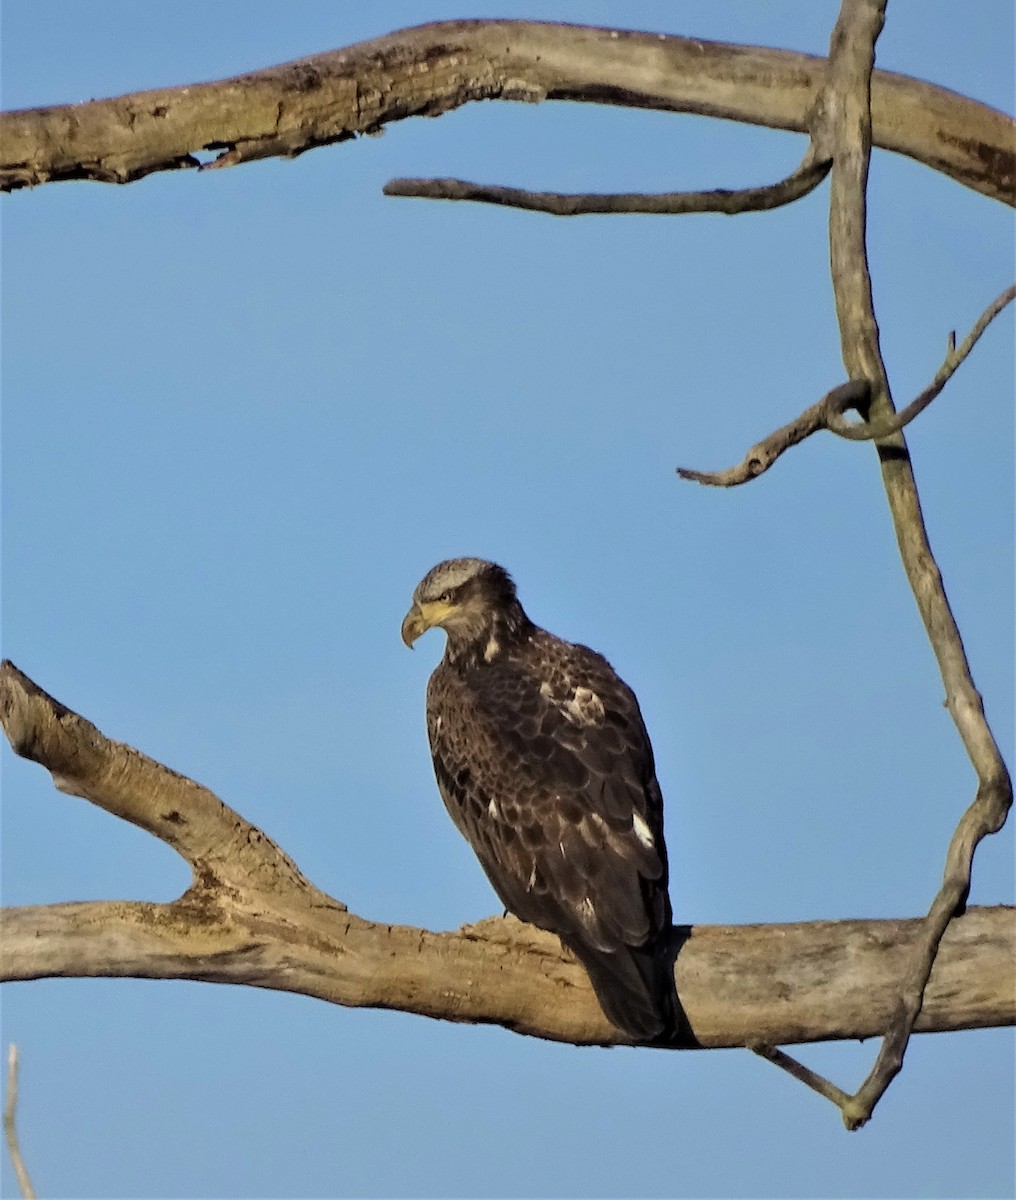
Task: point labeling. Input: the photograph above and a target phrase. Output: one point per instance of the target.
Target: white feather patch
(642, 830)
(492, 647)
(493, 809)
(584, 707)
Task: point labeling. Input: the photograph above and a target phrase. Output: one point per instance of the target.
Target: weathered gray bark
(850, 118)
(430, 69)
(779, 984)
(250, 917)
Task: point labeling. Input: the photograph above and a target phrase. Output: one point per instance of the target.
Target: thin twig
(851, 61)
(10, 1129)
(871, 430)
(762, 455)
(804, 179)
(828, 412)
(802, 1073)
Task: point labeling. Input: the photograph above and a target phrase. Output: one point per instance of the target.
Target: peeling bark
(431, 69)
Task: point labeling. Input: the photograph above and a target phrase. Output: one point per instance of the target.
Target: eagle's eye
(445, 598)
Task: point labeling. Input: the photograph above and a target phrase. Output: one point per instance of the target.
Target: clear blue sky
(243, 412)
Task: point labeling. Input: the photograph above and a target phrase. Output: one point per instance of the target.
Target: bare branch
(851, 61)
(847, 128)
(218, 843)
(802, 1074)
(869, 431)
(762, 455)
(273, 929)
(791, 983)
(804, 179)
(828, 412)
(288, 109)
(10, 1127)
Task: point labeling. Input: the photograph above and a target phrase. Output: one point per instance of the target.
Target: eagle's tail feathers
(635, 988)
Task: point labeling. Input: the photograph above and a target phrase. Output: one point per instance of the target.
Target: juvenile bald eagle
(544, 764)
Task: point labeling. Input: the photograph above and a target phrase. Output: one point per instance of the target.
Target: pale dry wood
(10, 1126)
(793, 983)
(763, 454)
(425, 71)
(274, 929)
(222, 848)
(828, 412)
(874, 430)
(851, 58)
(250, 916)
(817, 1083)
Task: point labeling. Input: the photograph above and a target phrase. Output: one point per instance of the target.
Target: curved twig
(760, 457)
(817, 1083)
(288, 109)
(802, 180)
(851, 61)
(828, 412)
(10, 1127)
(873, 430)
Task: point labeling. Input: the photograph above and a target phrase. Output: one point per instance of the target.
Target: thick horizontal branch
(798, 184)
(251, 918)
(428, 70)
(738, 984)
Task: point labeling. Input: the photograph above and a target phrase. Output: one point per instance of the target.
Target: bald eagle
(544, 764)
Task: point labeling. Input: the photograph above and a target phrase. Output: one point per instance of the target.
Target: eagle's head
(472, 600)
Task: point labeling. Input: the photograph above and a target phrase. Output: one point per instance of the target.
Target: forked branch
(761, 456)
(828, 413)
(851, 61)
(249, 917)
(876, 430)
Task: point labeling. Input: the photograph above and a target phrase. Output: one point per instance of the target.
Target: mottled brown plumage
(545, 766)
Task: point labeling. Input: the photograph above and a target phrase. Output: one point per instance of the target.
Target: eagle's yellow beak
(422, 617)
(413, 625)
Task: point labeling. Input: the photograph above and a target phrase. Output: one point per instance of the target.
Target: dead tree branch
(10, 1126)
(851, 63)
(804, 179)
(288, 109)
(828, 412)
(873, 431)
(802, 1074)
(250, 917)
(762, 455)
